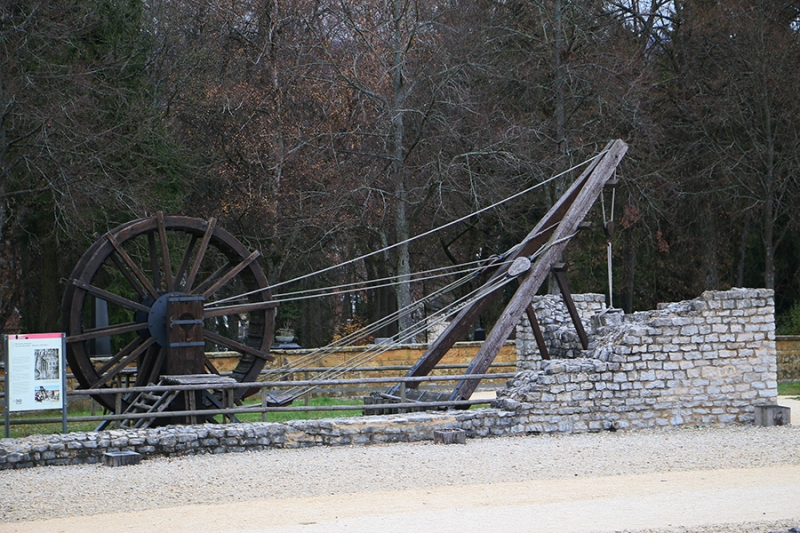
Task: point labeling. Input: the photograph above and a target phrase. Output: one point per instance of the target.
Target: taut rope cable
(377, 350)
(374, 283)
(421, 235)
(371, 328)
(370, 287)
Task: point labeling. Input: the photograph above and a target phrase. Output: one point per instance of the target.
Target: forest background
(320, 130)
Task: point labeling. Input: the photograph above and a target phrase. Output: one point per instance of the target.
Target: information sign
(35, 372)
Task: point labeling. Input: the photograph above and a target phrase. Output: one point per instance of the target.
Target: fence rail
(265, 388)
(128, 375)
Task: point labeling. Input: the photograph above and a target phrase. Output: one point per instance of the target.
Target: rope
(377, 350)
(609, 254)
(371, 284)
(371, 328)
(411, 239)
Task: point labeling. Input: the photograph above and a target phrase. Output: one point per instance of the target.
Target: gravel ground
(75, 491)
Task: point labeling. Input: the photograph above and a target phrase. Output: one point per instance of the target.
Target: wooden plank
(241, 308)
(121, 354)
(237, 346)
(534, 278)
(132, 266)
(129, 276)
(154, 268)
(212, 278)
(185, 339)
(198, 379)
(107, 331)
(105, 378)
(231, 274)
(187, 256)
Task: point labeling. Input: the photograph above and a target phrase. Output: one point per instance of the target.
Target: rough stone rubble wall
(706, 361)
(557, 329)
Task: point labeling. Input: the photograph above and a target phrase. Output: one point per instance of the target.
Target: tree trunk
(709, 245)
(402, 224)
(562, 147)
(628, 268)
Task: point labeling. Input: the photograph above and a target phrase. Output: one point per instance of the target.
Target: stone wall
(88, 448)
(788, 351)
(706, 361)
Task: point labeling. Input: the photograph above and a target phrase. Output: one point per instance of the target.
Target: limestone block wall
(706, 361)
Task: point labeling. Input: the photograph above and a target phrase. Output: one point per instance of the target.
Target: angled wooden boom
(546, 242)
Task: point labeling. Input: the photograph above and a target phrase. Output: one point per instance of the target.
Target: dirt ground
(615, 503)
(722, 500)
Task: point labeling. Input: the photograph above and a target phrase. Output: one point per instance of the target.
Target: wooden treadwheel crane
(162, 282)
(530, 263)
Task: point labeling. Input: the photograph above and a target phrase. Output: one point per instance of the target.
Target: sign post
(36, 377)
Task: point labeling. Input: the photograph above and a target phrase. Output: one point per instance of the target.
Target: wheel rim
(132, 268)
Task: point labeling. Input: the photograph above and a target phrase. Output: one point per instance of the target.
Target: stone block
(121, 458)
(773, 415)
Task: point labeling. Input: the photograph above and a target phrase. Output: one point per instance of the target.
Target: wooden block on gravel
(122, 458)
(773, 415)
(449, 436)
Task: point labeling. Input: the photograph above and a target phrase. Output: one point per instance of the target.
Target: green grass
(25, 430)
(790, 388)
(305, 415)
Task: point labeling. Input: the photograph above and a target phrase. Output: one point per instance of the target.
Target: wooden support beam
(537, 332)
(559, 271)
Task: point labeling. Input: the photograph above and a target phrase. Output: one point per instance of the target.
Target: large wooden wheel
(140, 270)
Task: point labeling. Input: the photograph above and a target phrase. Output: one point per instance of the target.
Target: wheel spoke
(144, 366)
(107, 331)
(122, 353)
(110, 297)
(212, 278)
(201, 252)
(130, 277)
(105, 378)
(132, 266)
(155, 372)
(162, 237)
(237, 309)
(236, 346)
(231, 274)
(186, 258)
(151, 246)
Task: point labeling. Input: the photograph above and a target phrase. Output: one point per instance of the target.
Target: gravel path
(301, 477)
